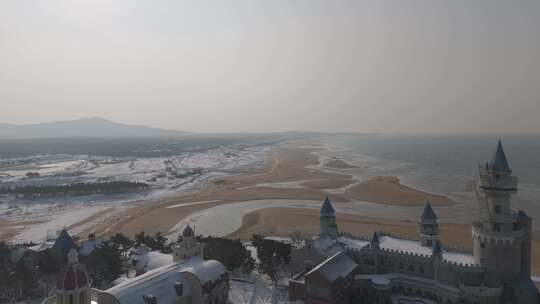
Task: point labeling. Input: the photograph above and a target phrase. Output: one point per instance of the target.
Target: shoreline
(291, 171)
(281, 221)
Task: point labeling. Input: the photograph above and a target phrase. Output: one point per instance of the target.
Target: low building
(190, 280)
(329, 282)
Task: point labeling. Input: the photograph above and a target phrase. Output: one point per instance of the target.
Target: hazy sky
(367, 66)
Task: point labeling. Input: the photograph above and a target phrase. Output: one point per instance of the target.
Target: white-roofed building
(164, 280)
(190, 281)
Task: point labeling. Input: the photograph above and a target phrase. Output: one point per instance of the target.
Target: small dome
(72, 277)
(188, 232)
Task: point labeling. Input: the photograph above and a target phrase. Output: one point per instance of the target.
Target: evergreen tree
(230, 253)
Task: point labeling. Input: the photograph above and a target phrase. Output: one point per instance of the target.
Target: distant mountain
(87, 127)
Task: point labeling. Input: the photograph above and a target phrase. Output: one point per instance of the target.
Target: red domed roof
(72, 277)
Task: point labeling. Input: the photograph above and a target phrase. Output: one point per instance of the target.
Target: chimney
(149, 299)
(179, 288)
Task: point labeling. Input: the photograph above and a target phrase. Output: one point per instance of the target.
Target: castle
(389, 269)
(187, 279)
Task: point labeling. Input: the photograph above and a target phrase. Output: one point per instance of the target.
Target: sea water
(445, 164)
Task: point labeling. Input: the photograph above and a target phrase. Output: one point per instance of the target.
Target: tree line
(75, 189)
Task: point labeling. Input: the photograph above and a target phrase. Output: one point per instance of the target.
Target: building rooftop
(160, 282)
(428, 213)
(327, 206)
(338, 265)
(499, 162)
(63, 243)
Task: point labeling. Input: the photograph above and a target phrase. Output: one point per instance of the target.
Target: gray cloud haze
(455, 66)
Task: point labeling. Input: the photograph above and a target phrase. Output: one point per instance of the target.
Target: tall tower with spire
(428, 228)
(327, 219)
(502, 237)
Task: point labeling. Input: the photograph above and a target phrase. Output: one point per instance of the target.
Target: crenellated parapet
(464, 267)
(496, 237)
(405, 253)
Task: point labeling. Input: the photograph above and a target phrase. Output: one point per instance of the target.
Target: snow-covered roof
(339, 265)
(146, 261)
(326, 245)
(160, 281)
(352, 243)
(408, 246)
(206, 272)
(90, 245)
(414, 247)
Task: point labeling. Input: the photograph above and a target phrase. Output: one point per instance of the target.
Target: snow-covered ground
(165, 175)
(158, 172)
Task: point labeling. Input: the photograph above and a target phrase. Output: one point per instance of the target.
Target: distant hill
(87, 127)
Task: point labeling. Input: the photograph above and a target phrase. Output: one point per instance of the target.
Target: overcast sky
(457, 66)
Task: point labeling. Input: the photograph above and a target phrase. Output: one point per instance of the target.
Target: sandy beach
(288, 174)
(388, 190)
(291, 172)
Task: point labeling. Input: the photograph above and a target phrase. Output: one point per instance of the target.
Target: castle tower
(502, 236)
(72, 285)
(327, 219)
(188, 247)
(428, 228)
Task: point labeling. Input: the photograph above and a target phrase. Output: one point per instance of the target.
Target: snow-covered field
(165, 175)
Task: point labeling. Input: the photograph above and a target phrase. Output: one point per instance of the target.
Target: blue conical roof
(428, 213)
(63, 243)
(499, 162)
(375, 238)
(327, 206)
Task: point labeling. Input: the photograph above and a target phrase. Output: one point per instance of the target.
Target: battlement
(495, 237)
(464, 266)
(490, 180)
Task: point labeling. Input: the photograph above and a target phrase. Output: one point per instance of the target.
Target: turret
(500, 238)
(428, 228)
(375, 240)
(73, 285)
(495, 186)
(437, 250)
(327, 219)
(188, 247)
